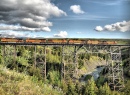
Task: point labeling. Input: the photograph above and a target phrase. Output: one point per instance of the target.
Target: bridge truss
(114, 61)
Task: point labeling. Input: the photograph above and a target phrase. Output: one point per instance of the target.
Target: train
(56, 41)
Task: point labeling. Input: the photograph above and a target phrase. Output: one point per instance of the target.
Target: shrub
(87, 77)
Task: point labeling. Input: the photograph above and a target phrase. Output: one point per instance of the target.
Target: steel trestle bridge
(114, 63)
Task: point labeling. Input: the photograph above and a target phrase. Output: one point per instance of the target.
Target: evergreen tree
(104, 90)
(71, 88)
(91, 88)
(64, 86)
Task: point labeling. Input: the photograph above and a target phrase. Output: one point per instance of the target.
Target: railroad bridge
(115, 73)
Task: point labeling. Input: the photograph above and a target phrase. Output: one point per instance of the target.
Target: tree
(64, 86)
(91, 88)
(80, 63)
(54, 77)
(126, 90)
(71, 88)
(104, 90)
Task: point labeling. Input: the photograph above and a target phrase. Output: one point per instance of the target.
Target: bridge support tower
(115, 75)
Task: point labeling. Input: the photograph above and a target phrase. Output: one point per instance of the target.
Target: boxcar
(61, 41)
(73, 41)
(92, 42)
(32, 41)
(111, 42)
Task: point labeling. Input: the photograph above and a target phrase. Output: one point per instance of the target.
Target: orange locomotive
(11, 40)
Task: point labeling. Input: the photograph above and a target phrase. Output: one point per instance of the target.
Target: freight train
(55, 41)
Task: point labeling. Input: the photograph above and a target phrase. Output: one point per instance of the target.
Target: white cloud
(23, 28)
(61, 34)
(119, 26)
(31, 14)
(13, 34)
(76, 9)
(46, 29)
(99, 28)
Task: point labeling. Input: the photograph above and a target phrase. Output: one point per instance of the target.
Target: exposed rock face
(91, 64)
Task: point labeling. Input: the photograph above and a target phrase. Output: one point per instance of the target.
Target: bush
(33, 71)
(126, 90)
(53, 77)
(87, 77)
(100, 81)
(81, 64)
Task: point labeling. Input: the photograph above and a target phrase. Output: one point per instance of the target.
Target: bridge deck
(1, 43)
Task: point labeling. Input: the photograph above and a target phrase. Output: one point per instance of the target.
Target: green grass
(13, 83)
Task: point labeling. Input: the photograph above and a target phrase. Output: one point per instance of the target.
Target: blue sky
(67, 19)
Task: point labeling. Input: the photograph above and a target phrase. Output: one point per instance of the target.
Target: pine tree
(91, 88)
(104, 90)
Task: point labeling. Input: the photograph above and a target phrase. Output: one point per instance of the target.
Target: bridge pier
(3, 54)
(62, 63)
(75, 63)
(35, 50)
(44, 64)
(15, 56)
(129, 56)
(66, 54)
(72, 69)
(115, 77)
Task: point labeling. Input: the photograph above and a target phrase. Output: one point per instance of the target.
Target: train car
(111, 42)
(75, 41)
(71, 41)
(103, 42)
(43, 40)
(31, 40)
(38, 40)
(11, 40)
(61, 41)
(92, 42)
(107, 42)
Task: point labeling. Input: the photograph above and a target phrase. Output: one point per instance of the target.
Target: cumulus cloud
(99, 28)
(13, 34)
(32, 15)
(62, 34)
(22, 28)
(119, 26)
(76, 9)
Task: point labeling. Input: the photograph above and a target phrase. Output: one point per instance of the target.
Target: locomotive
(55, 41)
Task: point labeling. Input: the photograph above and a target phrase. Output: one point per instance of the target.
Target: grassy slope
(13, 83)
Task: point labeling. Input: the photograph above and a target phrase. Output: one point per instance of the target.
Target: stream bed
(95, 73)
